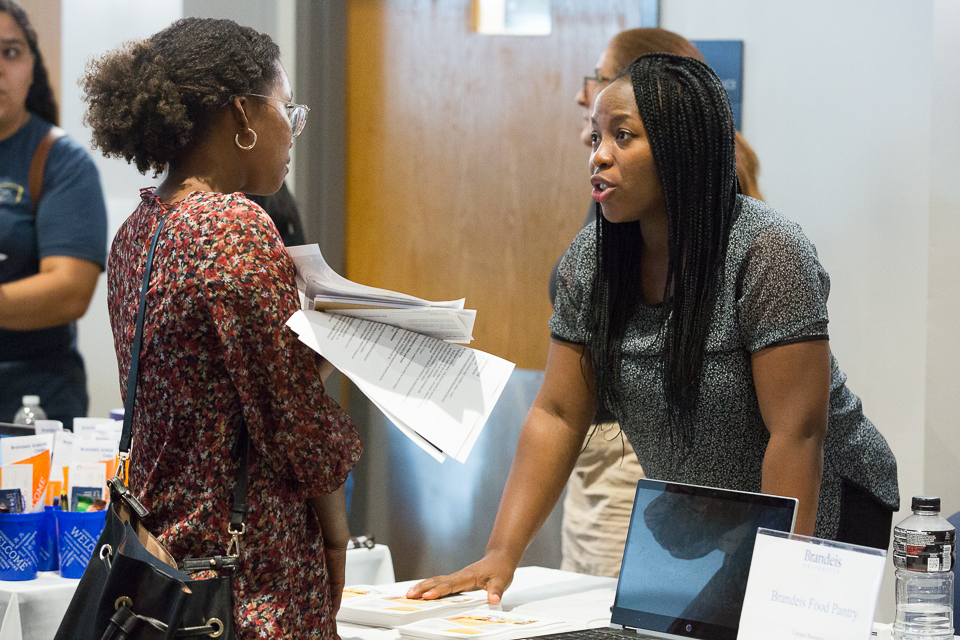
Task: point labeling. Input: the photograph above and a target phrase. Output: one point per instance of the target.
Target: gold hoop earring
(236, 139)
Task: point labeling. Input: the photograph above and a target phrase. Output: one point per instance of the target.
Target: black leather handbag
(132, 587)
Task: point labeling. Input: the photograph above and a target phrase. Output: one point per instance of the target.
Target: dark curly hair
(149, 100)
(40, 96)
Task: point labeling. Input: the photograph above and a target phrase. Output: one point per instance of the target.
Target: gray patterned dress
(774, 291)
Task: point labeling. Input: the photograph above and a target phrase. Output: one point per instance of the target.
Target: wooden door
(465, 173)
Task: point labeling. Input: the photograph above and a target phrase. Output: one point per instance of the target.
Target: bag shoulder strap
(134, 372)
(39, 163)
(241, 446)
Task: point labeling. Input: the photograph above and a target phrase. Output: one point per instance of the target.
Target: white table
(582, 600)
(32, 609)
(369, 566)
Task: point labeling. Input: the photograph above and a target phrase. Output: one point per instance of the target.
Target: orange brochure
(17, 455)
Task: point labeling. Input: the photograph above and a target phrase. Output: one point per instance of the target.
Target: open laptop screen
(687, 557)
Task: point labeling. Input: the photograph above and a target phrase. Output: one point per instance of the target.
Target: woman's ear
(239, 112)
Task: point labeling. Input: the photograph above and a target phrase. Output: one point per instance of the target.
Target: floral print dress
(215, 354)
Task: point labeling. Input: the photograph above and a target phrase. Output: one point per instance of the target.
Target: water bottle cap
(31, 400)
(925, 503)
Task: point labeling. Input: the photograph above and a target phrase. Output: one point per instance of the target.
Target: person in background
(599, 494)
(699, 317)
(53, 234)
(217, 356)
(282, 209)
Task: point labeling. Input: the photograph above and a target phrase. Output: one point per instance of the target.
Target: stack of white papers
(437, 393)
(482, 623)
(377, 607)
(402, 353)
(326, 290)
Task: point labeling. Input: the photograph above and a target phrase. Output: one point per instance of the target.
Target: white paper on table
(395, 602)
(87, 427)
(96, 450)
(483, 624)
(802, 587)
(89, 474)
(578, 607)
(62, 455)
(47, 426)
(444, 392)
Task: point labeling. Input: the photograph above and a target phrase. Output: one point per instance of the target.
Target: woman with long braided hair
(698, 315)
(598, 499)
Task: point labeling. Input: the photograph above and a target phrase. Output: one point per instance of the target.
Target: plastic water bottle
(30, 412)
(924, 552)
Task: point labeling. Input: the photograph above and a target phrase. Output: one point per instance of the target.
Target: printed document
(438, 393)
(326, 290)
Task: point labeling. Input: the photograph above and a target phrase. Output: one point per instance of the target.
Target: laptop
(686, 561)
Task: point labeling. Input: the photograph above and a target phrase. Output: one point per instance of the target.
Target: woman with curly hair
(699, 317)
(208, 103)
(53, 234)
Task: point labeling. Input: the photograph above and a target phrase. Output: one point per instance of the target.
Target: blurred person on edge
(53, 243)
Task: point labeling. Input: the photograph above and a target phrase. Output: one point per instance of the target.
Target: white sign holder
(803, 587)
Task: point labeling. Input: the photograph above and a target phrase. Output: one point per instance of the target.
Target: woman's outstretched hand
(494, 573)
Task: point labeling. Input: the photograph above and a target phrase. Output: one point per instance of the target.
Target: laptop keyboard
(602, 633)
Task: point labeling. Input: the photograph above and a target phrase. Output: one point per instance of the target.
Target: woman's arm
(58, 294)
(793, 389)
(331, 510)
(549, 444)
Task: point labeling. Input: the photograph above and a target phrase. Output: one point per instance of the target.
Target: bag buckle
(233, 548)
(120, 492)
(214, 563)
(123, 457)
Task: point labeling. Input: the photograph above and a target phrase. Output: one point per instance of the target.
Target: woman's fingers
(490, 573)
(495, 587)
(440, 586)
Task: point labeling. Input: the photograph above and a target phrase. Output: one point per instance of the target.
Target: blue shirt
(71, 221)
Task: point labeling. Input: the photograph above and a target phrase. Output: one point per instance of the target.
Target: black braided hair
(686, 113)
(40, 95)
(148, 101)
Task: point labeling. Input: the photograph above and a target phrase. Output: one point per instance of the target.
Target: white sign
(802, 587)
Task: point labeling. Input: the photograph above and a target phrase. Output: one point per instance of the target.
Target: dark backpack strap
(39, 163)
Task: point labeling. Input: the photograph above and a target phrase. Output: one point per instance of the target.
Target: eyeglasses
(296, 113)
(598, 79)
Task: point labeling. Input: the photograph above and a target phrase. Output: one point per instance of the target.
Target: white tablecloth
(369, 566)
(32, 609)
(584, 601)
